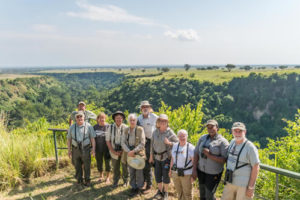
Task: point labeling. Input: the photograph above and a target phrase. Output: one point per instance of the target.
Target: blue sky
(140, 32)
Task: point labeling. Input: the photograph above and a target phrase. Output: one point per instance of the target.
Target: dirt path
(61, 185)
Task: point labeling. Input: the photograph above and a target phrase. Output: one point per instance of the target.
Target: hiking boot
(158, 194)
(166, 194)
(115, 185)
(79, 181)
(133, 192)
(125, 184)
(87, 183)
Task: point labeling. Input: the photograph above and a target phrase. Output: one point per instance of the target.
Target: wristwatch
(250, 188)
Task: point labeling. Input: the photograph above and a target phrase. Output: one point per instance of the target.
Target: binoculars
(118, 147)
(228, 176)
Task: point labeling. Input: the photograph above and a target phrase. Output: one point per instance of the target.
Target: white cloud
(44, 28)
(183, 35)
(108, 13)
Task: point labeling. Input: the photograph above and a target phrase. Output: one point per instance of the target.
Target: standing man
(88, 114)
(148, 121)
(80, 137)
(113, 139)
(242, 166)
(209, 158)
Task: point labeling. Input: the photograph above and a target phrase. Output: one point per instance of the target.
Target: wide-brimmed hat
(136, 162)
(238, 125)
(81, 102)
(163, 117)
(79, 113)
(145, 103)
(212, 122)
(118, 113)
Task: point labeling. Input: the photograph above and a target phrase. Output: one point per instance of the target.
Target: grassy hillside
(216, 76)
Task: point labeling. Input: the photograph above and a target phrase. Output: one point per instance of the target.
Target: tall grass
(22, 152)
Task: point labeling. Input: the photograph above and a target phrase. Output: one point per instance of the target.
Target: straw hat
(136, 162)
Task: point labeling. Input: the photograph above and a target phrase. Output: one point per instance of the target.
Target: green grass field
(14, 76)
(215, 76)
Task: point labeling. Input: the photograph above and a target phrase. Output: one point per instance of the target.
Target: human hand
(70, 153)
(249, 193)
(166, 141)
(205, 151)
(131, 154)
(93, 153)
(151, 159)
(194, 174)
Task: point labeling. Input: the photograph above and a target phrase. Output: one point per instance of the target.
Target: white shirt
(181, 157)
(149, 124)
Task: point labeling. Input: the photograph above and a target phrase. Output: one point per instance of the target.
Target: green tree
(230, 67)
(187, 67)
(283, 67)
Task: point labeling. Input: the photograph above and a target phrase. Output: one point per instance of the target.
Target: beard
(239, 138)
(146, 112)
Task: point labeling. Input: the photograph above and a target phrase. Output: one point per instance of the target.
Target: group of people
(148, 142)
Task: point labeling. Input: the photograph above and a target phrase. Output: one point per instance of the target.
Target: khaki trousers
(234, 192)
(183, 186)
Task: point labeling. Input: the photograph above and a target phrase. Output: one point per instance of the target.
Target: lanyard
(83, 133)
(187, 151)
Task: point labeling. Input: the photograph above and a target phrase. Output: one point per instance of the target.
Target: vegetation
(230, 67)
(259, 101)
(23, 150)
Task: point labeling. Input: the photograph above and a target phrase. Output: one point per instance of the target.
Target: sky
(144, 32)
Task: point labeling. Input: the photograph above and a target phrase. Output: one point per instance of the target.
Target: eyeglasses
(210, 127)
(79, 116)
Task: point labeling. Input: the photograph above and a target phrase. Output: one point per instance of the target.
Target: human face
(101, 120)
(81, 107)
(145, 110)
(132, 122)
(118, 120)
(182, 138)
(239, 135)
(212, 129)
(79, 119)
(163, 125)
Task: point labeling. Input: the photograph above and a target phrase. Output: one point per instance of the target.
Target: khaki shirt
(217, 146)
(114, 136)
(81, 134)
(158, 145)
(135, 137)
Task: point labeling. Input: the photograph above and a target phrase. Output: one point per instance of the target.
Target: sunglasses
(79, 116)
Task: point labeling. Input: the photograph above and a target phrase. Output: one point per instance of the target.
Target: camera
(167, 165)
(228, 176)
(174, 167)
(131, 147)
(118, 147)
(202, 154)
(79, 145)
(180, 171)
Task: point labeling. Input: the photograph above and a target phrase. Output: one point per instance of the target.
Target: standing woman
(133, 143)
(161, 145)
(182, 166)
(102, 152)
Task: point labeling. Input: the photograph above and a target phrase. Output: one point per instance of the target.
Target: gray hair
(132, 115)
(183, 132)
